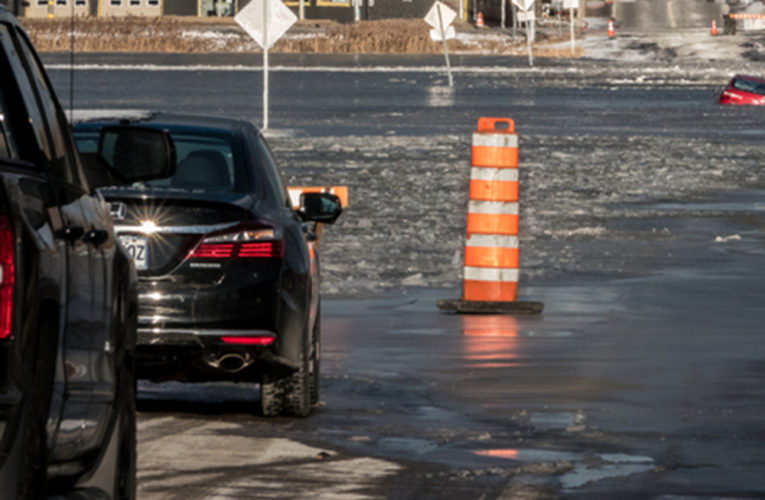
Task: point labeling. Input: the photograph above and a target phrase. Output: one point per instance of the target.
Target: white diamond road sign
(450, 34)
(526, 16)
(523, 4)
(251, 19)
(447, 16)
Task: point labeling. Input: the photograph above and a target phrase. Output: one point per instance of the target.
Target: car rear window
(749, 86)
(206, 163)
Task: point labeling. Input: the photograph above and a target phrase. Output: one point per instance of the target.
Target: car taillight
(213, 251)
(731, 95)
(242, 244)
(6, 276)
(262, 340)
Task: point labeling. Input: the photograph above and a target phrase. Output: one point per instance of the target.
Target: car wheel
(288, 395)
(315, 359)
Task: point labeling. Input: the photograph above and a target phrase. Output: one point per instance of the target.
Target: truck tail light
(7, 267)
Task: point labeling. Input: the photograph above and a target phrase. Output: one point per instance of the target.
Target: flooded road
(648, 385)
(641, 231)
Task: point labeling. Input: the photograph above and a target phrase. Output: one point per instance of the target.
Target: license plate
(138, 249)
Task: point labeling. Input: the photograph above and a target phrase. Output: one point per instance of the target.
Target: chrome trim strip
(175, 229)
(206, 333)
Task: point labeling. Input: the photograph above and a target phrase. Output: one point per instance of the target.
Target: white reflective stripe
(490, 274)
(493, 207)
(492, 241)
(493, 174)
(496, 140)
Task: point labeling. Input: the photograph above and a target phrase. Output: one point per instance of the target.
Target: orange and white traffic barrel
(713, 29)
(490, 272)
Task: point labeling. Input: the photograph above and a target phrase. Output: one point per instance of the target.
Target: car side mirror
(320, 207)
(131, 154)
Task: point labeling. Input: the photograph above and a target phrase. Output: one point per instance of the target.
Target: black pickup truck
(67, 295)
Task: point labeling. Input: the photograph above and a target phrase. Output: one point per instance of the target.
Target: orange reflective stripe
(490, 156)
(494, 190)
(489, 291)
(492, 223)
(491, 257)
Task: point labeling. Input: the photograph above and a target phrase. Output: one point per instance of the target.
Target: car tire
(315, 359)
(288, 395)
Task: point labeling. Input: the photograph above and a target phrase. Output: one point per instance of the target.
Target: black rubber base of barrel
(478, 307)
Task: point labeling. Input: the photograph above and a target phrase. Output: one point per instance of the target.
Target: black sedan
(228, 275)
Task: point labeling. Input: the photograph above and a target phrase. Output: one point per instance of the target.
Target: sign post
(440, 17)
(265, 21)
(571, 5)
(527, 14)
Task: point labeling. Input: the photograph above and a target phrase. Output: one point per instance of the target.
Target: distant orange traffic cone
(611, 32)
(479, 20)
(713, 29)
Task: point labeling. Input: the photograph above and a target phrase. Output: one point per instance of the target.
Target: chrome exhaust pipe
(231, 362)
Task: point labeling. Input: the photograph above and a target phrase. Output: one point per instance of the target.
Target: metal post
(503, 14)
(265, 64)
(571, 18)
(533, 25)
(301, 10)
(528, 41)
(515, 22)
(462, 9)
(446, 51)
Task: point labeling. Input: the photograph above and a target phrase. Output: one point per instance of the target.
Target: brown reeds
(170, 34)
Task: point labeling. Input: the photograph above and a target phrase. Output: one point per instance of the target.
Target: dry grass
(206, 35)
(112, 34)
(391, 36)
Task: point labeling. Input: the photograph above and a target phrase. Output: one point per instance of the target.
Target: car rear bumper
(192, 337)
(207, 355)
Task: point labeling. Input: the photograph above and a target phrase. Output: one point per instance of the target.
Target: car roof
(749, 77)
(178, 122)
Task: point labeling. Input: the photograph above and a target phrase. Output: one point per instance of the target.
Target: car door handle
(96, 236)
(70, 233)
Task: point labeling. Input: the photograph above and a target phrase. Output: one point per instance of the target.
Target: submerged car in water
(228, 274)
(744, 90)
